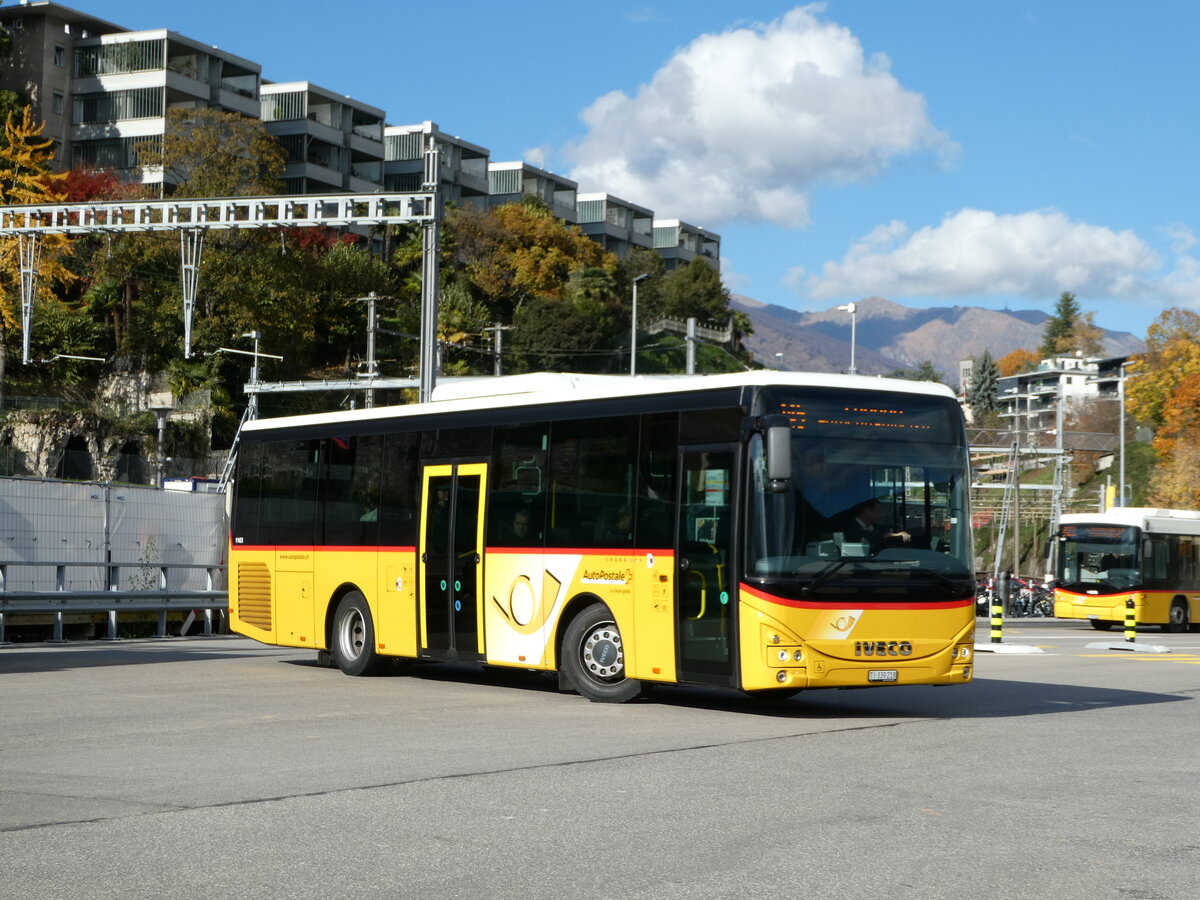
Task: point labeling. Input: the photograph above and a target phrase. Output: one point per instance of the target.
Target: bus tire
(1177, 618)
(593, 657)
(1102, 624)
(353, 644)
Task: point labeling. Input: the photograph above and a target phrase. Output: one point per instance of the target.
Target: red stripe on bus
(323, 548)
(861, 604)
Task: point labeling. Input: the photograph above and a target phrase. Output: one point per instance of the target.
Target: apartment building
(510, 182)
(123, 85)
(1029, 400)
(40, 64)
(102, 90)
(334, 144)
(615, 224)
(464, 166)
(679, 243)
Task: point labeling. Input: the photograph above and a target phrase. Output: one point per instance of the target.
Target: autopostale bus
(620, 532)
(1149, 556)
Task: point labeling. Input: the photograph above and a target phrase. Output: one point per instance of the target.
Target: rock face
(119, 442)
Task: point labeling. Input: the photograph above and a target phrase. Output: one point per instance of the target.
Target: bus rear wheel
(1177, 618)
(353, 642)
(593, 657)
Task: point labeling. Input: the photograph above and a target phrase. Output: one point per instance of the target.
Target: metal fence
(72, 547)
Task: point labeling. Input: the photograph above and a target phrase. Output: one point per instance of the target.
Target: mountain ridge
(889, 335)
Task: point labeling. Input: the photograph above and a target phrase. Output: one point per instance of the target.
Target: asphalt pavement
(222, 768)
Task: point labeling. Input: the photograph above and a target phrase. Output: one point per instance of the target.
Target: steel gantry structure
(194, 218)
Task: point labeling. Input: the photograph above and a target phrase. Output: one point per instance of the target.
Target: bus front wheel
(1102, 624)
(593, 657)
(354, 637)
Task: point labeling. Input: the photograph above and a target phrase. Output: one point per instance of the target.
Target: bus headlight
(964, 652)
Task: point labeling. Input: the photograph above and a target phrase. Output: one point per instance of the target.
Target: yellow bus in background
(1150, 556)
(620, 532)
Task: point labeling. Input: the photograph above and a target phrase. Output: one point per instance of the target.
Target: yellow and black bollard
(1000, 590)
(1130, 621)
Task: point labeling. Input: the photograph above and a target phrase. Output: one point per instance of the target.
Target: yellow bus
(1150, 556)
(620, 532)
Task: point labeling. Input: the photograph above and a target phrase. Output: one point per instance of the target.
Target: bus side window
(517, 482)
(246, 515)
(398, 495)
(592, 475)
(350, 475)
(289, 492)
(656, 480)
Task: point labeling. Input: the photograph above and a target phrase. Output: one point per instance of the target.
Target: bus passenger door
(705, 592)
(451, 555)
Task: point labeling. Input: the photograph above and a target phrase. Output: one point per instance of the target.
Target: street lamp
(633, 326)
(852, 309)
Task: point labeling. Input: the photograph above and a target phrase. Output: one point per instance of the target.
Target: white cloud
(975, 253)
(740, 125)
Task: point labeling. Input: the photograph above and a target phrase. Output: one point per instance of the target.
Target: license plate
(882, 675)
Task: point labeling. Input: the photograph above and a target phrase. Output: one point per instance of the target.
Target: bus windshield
(1102, 558)
(885, 518)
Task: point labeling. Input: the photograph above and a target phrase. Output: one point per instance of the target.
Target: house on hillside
(1029, 400)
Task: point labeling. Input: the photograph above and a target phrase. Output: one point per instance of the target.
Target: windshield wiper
(821, 577)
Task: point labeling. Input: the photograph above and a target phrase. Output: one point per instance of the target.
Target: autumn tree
(519, 251)
(1172, 354)
(25, 177)
(1017, 362)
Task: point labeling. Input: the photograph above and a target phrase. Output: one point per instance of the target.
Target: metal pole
(852, 308)
(430, 273)
(691, 345)
(853, 337)
(252, 406)
(162, 446)
(372, 324)
(633, 333)
(29, 254)
(633, 326)
(1016, 566)
(1121, 438)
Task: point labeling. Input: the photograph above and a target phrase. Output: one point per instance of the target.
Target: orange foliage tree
(1016, 362)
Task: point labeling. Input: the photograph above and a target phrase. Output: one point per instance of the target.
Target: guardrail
(114, 599)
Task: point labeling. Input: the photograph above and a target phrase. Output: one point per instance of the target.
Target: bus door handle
(684, 563)
(424, 557)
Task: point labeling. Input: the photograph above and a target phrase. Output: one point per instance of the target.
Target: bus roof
(499, 392)
(1152, 519)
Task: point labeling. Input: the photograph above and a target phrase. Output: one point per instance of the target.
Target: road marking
(1175, 657)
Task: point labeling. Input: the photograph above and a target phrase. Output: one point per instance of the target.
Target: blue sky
(934, 152)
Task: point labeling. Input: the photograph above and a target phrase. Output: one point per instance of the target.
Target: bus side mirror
(779, 458)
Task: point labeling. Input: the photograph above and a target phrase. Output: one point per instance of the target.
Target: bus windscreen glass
(1098, 557)
(876, 504)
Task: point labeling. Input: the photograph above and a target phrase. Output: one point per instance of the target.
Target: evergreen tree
(923, 372)
(983, 396)
(1059, 335)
